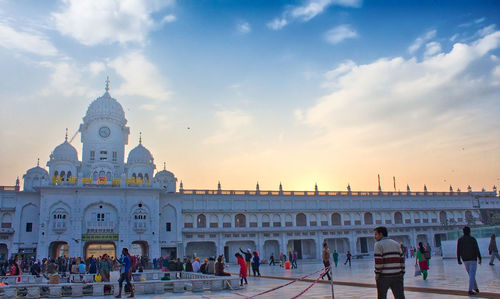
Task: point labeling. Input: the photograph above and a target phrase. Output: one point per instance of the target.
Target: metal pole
(331, 281)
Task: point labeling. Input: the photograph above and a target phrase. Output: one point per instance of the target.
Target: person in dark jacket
(468, 252)
(256, 264)
(219, 267)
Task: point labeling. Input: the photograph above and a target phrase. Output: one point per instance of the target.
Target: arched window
(102, 173)
(94, 176)
(442, 217)
(63, 174)
(240, 220)
(146, 177)
(140, 176)
(300, 220)
(134, 175)
(201, 221)
(108, 175)
(398, 218)
(69, 174)
(368, 218)
(56, 173)
(336, 220)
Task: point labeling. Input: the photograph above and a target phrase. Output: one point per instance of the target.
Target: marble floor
(443, 274)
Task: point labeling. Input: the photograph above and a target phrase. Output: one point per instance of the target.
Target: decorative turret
(140, 164)
(166, 180)
(63, 164)
(35, 177)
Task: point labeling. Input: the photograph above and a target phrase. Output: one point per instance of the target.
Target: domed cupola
(165, 180)
(63, 164)
(105, 107)
(35, 177)
(64, 152)
(140, 164)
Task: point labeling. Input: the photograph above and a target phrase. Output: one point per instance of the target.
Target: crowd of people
(390, 257)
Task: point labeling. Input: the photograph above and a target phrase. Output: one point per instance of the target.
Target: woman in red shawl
(243, 268)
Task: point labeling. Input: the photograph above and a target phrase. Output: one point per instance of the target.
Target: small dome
(64, 152)
(36, 171)
(164, 174)
(140, 154)
(105, 107)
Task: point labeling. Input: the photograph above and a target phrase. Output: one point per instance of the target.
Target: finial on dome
(164, 165)
(38, 162)
(107, 84)
(140, 137)
(66, 137)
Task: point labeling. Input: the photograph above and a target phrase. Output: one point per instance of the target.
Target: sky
(326, 92)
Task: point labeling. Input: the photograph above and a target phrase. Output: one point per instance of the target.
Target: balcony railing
(140, 227)
(327, 193)
(8, 230)
(59, 226)
(100, 226)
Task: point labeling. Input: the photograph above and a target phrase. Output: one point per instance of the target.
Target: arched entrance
(58, 248)
(140, 248)
(97, 249)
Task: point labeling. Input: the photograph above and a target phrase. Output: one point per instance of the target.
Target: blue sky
(326, 91)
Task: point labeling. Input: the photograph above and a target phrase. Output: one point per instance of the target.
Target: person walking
(248, 258)
(105, 268)
(325, 255)
(125, 273)
(348, 258)
(295, 257)
(256, 263)
(389, 265)
(335, 256)
(423, 262)
(271, 260)
(243, 268)
(468, 252)
(493, 250)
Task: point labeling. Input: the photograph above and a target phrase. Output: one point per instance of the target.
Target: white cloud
(31, 42)
(231, 123)
(340, 33)
(243, 28)
(421, 40)
(307, 11)
(168, 19)
(92, 22)
(140, 76)
(277, 23)
(392, 100)
(96, 68)
(432, 48)
(66, 79)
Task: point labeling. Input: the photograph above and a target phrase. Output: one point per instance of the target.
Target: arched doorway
(140, 248)
(58, 248)
(97, 249)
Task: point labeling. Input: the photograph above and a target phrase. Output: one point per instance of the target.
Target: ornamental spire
(107, 84)
(66, 137)
(164, 165)
(38, 162)
(140, 137)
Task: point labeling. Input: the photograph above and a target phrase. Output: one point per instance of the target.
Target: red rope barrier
(312, 284)
(286, 284)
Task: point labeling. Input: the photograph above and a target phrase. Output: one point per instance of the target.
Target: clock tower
(104, 135)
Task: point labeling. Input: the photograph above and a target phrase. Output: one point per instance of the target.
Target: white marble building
(104, 203)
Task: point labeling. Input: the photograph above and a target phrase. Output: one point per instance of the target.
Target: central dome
(105, 107)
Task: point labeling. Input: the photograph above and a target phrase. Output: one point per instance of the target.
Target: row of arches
(140, 176)
(64, 175)
(301, 219)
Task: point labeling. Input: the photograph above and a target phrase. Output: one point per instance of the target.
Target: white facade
(104, 200)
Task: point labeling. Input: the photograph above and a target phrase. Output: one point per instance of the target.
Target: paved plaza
(444, 274)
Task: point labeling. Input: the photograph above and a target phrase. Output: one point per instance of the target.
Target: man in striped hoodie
(389, 265)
